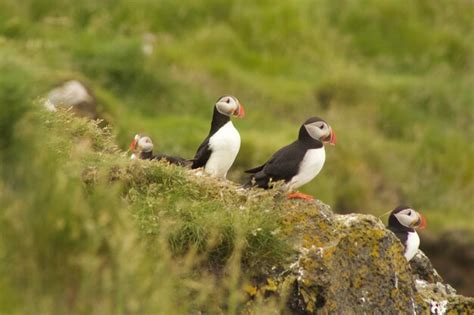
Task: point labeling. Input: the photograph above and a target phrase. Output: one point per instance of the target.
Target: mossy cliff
(85, 230)
(333, 263)
(351, 264)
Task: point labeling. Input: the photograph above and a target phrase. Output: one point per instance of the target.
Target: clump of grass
(90, 231)
(205, 214)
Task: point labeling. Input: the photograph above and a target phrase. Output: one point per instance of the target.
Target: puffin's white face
(321, 131)
(145, 144)
(410, 218)
(141, 144)
(229, 105)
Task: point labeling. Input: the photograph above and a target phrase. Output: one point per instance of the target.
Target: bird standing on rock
(142, 147)
(403, 222)
(218, 151)
(297, 163)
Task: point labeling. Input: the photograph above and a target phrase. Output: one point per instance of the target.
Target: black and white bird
(297, 163)
(142, 148)
(218, 151)
(403, 222)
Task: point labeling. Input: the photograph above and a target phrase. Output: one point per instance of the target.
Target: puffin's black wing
(283, 165)
(202, 155)
(173, 159)
(256, 169)
(402, 235)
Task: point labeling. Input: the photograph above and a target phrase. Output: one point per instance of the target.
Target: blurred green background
(394, 79)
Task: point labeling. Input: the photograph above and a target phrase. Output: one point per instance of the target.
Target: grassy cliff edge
(147, 237)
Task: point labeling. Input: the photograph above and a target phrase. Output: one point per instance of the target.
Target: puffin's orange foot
(298, 195)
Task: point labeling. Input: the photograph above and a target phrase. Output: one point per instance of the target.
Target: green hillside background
(393, 78)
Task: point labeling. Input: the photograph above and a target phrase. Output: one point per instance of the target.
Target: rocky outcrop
(74, 95)
(345, 264)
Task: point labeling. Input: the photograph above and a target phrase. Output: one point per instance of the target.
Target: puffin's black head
(316, 128)
(405, 218)
(229, 105)
(141, 144)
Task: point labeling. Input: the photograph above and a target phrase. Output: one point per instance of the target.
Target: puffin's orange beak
(332, 138)
(240, 112)
(422, 223)
(133, 145)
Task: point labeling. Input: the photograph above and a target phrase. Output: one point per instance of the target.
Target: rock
(75, 95)
(422, 268)
(346, 264)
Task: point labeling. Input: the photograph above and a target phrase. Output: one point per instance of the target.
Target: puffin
(218, 151)
(403, 222)
(297, 163)
(142, 148)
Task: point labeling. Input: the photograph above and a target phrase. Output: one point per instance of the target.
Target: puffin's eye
(321, 127)
(409, 213)
(228, 101)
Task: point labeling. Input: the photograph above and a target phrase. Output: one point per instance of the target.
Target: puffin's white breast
(310, 166)
(225, 145)
(412, 244)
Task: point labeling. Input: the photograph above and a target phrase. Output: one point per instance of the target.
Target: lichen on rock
(351, 263)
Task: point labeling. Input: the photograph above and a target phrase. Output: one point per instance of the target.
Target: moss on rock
(352, 264)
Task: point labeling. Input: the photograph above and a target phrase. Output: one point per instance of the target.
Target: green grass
(387, 76)
(393, 79)
(87, 231)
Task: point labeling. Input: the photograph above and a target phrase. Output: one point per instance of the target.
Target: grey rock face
(75, 95)
(351, 264)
